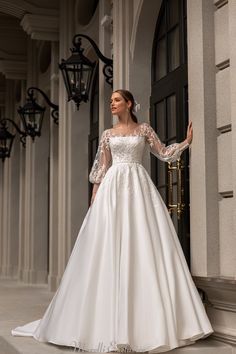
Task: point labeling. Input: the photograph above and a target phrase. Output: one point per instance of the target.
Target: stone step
(204, 346)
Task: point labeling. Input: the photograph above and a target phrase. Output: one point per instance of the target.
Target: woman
(127, 284)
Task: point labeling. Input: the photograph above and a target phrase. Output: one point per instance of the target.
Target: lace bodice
(115, 148)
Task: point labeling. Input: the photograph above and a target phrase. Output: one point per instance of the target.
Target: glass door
(169, 112)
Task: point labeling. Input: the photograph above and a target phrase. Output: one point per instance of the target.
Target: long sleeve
(165, 153)
(102, 160)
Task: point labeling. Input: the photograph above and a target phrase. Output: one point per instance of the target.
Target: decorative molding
(223, 65)
(225, 128)
(8, 56)
(135, 28)
(11, 9)
(106, 21)
(55, 78)
(221, 291)
(220, 3)
(219, 334)
(14, 9)
(227, 282)
(227, 194)
(41, 27)
(13, 69)
(221, 306)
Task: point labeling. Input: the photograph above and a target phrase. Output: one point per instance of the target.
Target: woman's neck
(126, 120)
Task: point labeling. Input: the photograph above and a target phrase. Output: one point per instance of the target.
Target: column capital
(13, 69)
(41, 27)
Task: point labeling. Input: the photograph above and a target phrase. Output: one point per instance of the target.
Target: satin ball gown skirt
(127, 283)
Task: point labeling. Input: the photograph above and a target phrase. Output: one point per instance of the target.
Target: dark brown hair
(127, 95)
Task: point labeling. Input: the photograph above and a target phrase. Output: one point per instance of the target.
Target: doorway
(169, 112)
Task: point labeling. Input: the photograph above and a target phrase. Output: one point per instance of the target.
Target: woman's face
(118, 104)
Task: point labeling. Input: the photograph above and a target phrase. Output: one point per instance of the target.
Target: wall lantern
(77, 70)
(32, 113)
(7, 138)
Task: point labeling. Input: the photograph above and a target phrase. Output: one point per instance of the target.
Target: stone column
(53, 188)
(211, 50)
(46, 28)
(204, 209)
(122, 24)
(1, 217)
(10, 194)
(64, 152)
(232, 53)
(105, 45)
(36, 191)
(14, 194)
(22, 191)
(2, 109)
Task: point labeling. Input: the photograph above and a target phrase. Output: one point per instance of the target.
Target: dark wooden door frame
(174, 83)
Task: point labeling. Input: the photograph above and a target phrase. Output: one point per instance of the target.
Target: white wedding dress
(127, 284)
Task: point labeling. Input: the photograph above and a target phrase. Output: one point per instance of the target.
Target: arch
(85, 11)
(141, 51)
(12, 9)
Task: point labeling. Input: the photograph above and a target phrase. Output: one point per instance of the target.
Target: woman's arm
(168, 153)
(101, 163)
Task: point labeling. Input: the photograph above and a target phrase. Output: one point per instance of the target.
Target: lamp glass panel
(3, 145)
(38, 120)
(33, 120)
(30, 120)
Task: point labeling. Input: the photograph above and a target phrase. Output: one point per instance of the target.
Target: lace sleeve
(168, 153)
(102, 160)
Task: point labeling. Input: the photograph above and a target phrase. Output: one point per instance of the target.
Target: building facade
(179, 60)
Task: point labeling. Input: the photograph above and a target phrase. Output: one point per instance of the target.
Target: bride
(126, 285)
